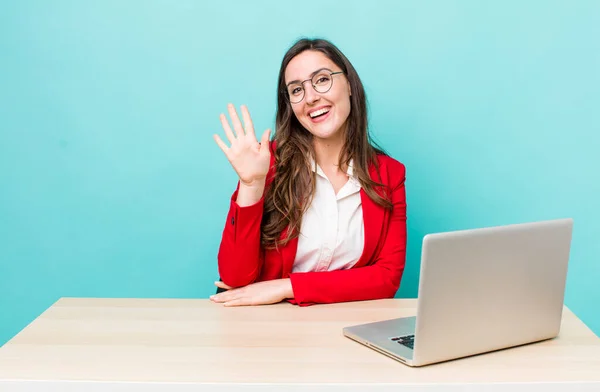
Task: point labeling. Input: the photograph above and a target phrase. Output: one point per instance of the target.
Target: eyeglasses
(321, 82)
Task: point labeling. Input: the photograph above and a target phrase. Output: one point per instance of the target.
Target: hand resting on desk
(260, 293)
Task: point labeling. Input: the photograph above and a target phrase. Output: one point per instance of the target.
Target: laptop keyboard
(408, 341)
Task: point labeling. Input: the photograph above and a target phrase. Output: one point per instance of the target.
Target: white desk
(192, 345)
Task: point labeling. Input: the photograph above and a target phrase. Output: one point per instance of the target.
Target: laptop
(480, 290)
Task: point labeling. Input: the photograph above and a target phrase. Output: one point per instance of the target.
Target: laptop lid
(486, 289)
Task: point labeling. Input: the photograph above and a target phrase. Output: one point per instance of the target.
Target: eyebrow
(311, 75)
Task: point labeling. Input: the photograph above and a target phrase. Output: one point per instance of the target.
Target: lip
(321, 118)
(317, 108)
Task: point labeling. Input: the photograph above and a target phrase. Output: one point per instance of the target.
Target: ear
(349, 89)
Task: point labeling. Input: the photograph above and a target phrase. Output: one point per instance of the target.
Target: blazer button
(232, 220)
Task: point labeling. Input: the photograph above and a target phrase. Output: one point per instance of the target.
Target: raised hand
(249, 158)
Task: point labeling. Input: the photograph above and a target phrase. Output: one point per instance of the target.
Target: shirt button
(232, 220)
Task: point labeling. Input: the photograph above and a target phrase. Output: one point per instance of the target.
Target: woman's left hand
(260, 293)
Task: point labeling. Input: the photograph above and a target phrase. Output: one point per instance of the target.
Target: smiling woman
(319, 214)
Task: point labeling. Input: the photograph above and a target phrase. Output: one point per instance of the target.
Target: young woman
(319, 214)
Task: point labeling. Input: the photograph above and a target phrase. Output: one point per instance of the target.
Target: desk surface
(197, 341)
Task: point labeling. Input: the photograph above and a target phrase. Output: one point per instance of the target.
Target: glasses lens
(322, 82)
(295, 92)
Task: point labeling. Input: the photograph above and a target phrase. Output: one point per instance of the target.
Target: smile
(319, 112)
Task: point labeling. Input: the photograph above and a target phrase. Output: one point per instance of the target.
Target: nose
(310, 95)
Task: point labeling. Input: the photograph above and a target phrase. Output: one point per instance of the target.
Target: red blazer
(376, 275)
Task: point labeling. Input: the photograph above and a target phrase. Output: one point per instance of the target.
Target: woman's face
(323, 113)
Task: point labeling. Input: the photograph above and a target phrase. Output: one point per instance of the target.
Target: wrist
(254, 184)
(288, 290)
(250, 194)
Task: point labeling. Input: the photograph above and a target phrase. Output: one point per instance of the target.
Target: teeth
(319, 112)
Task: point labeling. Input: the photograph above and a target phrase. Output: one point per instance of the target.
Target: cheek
(344, 105)
(342, 98)
(297, 109)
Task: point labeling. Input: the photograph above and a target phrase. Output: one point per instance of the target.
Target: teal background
(111, 184)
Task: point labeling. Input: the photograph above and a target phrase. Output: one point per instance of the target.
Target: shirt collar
(350, 171)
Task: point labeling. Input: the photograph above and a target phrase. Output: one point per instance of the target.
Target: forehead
(301, 66)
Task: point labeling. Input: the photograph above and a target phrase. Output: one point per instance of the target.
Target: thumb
(222, 285)
(264, 141)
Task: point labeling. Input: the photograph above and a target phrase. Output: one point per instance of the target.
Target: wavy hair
(293, 186)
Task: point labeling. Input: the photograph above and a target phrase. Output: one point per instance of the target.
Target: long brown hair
(293, 186)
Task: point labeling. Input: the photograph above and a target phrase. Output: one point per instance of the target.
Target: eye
(295, 90)
(322, 79)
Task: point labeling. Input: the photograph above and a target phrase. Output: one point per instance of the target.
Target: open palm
(249, 158)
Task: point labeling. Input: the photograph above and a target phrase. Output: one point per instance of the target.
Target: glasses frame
(313, 86)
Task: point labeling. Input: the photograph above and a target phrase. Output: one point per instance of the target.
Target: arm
(380, 279)
(240, 255)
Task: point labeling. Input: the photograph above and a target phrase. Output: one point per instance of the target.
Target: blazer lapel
(288, 255)
(373, 215)
(373, 218)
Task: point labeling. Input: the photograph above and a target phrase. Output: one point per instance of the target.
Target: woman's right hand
(249, 158)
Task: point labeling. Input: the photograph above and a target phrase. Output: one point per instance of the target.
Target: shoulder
(390, 163)
(391, 170)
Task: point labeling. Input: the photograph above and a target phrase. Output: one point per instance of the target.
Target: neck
(328, 152)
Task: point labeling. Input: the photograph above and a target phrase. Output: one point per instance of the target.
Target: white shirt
(332, 229)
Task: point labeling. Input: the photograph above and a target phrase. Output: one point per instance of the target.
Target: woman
(319, 214)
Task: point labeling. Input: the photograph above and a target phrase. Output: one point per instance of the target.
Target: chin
(325, 135)
(323, 131)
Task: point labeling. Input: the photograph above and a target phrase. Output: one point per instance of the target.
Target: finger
(237, 302)
(217, 298)
(223, 285)
(225, 296)
(221, 144)
(227, 128)
(235, 120)
(248, 126)
(264, 141)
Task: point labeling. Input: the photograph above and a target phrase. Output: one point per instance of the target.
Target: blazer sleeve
(241, 255)
(380, 279)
